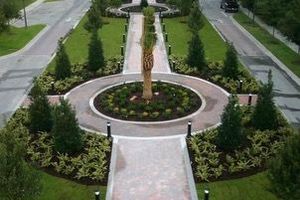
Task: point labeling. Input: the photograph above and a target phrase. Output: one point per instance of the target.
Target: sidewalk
(151, 169)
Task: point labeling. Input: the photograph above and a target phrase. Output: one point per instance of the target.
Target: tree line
(281, 14)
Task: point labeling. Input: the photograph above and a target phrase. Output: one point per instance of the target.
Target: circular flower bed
(139, 9)
(169, 101)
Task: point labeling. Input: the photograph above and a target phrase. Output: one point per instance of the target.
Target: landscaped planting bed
(213, 73)
(210, 163)
(88, 166)
(169, 101)
(79, 74)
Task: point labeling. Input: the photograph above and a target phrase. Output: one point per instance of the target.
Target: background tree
(196, 54)
(265, 113)
(195, 19)
(66, 132)
(39, 110)
(63, 65)
(94, 21)
(115, 3)
(101, 5)
(144, 4)
(230, 135)
(284, 170)
(8, 11)
(231, 66)
(18, 180)
(95, 58)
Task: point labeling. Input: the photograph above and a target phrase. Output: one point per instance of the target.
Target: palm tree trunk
(147, 68)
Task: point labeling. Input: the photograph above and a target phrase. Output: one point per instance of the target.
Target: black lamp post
(189, 131)
(97, 195)
(206, 194)
(108, 125)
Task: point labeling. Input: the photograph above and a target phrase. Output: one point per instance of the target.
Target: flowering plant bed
(169, 101)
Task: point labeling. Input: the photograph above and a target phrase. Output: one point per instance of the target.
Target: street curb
(282, 66)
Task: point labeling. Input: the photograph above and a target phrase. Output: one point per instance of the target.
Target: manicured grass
(279, 49)
(26, 2)
(77, 44)
(16, 38)
(253, 187)
(62, 189)
(179, 36)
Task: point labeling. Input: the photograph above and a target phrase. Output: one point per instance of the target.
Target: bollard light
(108, 125)
(52, 86)
(249, 99)
(164, 27)
(119, 66)
(122, 50)
(240, 86)
(206, 194)
(173, 65)
(167, 37)
(189, 131)
(126, 27)
(97, 195)
(170, 50)
(124, 38)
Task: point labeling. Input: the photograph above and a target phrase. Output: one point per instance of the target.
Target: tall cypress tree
(94, 21)
(231, 66)
(39, 110)
(230, 135)
(195, 20)
(63, 65)
(196, 54)
(95, 58)
(66, 132)
(265, 113)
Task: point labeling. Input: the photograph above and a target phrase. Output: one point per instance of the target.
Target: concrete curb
(282, 66)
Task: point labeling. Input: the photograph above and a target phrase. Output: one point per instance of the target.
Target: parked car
(229, 5)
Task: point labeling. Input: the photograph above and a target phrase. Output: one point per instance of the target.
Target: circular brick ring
(208, 116)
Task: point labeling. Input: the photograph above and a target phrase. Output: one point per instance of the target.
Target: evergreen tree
(115, 3)
(196, 54)
(39, 110)
(96, 58)
(284, 170)
(101, 5)
(230, 135)
(265, 113)
(94, 21)
(66, 132)
(185, 6)
(231, 66)
(195, 20)
(63, 65)
(144, 4)
(18, 180)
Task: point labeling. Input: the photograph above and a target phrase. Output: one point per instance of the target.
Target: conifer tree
(18, 180)
(196, 54)
(66, 132)
(94, 21)
(195, 20)
(95, 58)
(265, 113)
(63, 65)
(284, 170)
(39, 110)
(231, 66)
(144, 4)
(230, 135)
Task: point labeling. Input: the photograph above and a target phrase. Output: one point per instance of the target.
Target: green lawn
(279, 49)
(26, 2)
(110, 34)
(250, 188)
(16, 38)
(179, 36)
(61, 189)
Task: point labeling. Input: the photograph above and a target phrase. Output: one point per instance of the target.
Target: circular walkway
(215, 100)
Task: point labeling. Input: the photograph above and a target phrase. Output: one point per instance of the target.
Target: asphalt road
(18, 70)
(287, 92)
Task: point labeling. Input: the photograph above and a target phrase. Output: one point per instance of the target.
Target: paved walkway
(151, 169)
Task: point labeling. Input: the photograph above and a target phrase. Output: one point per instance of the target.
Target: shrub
(96, 57)
(66, 132)
(63, 65)
(196, 54)
(284, 170)
(39, 110)
(230, 134)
